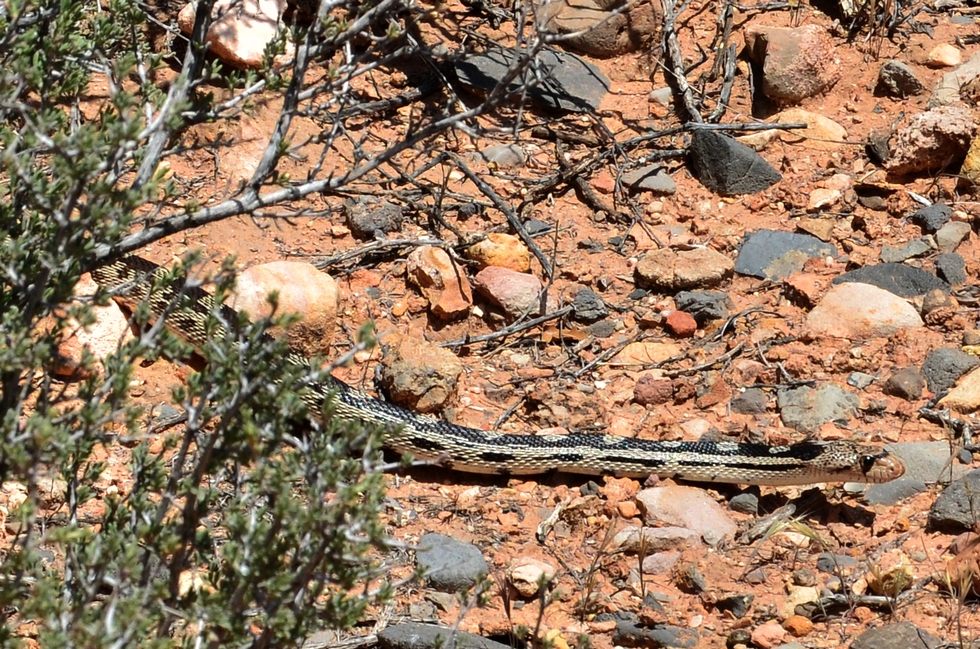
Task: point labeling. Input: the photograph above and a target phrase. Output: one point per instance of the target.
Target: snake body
(133, 280)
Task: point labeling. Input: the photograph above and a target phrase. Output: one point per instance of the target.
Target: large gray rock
(567, 82)
(774, 254)
(449, 565)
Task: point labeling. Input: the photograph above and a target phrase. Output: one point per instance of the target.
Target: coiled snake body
(133, 280)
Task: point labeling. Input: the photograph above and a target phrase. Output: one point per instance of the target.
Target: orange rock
(441, 281)
(504, 250)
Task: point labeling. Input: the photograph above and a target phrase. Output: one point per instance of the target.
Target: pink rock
(515, 293)
(111, 329)
(860, 311)
(441, 281)
(768, 635)
(687, 507)
(302, 289)
(681, 324)
(240, 29)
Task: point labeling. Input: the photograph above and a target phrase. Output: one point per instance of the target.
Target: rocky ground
(814, 283)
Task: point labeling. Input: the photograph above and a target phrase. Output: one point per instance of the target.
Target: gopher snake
(132, 280)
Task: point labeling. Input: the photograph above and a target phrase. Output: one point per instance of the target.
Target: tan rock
(965, 396)
(528, 575)
(821, 133)
(595, 28)
(678, 270)
(944, 56)
(302, 289)
(499, 249)
(645, 353)
(441, 281)
(822, 198)
(970, 170)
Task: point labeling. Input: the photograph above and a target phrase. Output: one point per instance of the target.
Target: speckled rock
(419, 375)
(302, 289)
(676, 270)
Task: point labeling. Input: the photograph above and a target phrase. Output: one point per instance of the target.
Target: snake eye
(868, 462)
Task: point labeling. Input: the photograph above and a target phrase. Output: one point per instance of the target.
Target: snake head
(879, 465)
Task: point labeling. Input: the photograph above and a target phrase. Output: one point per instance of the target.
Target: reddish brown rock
(680, 323)
(652, 390)
(441, 281)
(932, 140)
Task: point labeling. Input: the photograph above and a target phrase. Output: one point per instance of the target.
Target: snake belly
(132, 280)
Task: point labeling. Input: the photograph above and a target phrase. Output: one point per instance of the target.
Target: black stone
(588, 306)
(900, 279)
(728, 167)
(933, 217)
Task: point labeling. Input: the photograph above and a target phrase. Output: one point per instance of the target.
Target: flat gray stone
(775, 254)
(928, 462)
(894, 492)
(916, 248)
(951, 267)
(807, 409)
(568, 82)
(900, 635)
(951, 235)
(651, 178)
(411, 635)
(944, 366)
